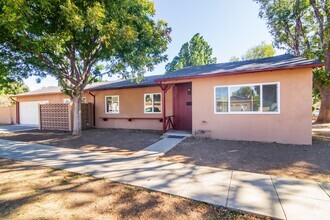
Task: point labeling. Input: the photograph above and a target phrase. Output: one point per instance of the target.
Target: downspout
(17, 110)
(93, 107)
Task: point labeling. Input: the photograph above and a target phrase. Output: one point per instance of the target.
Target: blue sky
(230, 27)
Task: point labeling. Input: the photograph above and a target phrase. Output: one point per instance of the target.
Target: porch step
(177, 133)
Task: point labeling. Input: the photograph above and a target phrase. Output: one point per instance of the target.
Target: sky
(230, 27)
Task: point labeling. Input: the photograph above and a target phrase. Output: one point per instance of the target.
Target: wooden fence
(59, 116)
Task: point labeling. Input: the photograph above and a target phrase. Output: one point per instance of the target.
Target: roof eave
(48, 93)
(124, 87)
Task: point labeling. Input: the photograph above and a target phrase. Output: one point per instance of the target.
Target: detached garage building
(266, 100)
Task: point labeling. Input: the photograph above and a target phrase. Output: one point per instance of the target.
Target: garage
(29, 112)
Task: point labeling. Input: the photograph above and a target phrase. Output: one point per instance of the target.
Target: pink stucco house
(256, 100)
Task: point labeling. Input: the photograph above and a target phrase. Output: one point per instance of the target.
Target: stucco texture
(292, 125)
(51, 98)
(131, 105)
(8, 115)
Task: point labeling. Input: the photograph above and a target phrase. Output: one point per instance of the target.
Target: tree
(262, 50)
(76, 40)
(302, 28)
(193, 53)
(234, 59)
(13, 87)
(10, 84)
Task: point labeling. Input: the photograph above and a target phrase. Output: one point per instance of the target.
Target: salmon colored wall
(8, 115)
(293, 125)
(131, 104)
(51, 98)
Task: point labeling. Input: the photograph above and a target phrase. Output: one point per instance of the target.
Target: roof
(43, 91)
(286, 61)
(116, 84)
(146, 81)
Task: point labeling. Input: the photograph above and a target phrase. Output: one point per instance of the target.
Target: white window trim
(261, 101)
(105, 105)
(152, 94)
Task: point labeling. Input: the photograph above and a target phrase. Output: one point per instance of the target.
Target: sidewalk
(272, 196)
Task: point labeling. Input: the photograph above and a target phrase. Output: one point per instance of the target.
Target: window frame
(105, 105)
(248, 112)
(144, 103)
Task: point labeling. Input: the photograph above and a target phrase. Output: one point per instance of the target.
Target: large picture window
(153, 103)
(112, 104)
(254, 98)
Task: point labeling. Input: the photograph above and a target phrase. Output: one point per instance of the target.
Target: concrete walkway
(281, 198)
(16, 128)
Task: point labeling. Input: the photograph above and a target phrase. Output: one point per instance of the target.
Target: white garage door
(29, 112)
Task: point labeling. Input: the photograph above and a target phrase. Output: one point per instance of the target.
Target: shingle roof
(147, 81)
(271, 63)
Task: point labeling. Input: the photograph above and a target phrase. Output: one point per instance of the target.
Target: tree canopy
(78, 40)
(193, 53)
(262, 50)
(10, 84)
(302, 28)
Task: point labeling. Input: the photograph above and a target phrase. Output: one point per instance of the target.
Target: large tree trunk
(324, 116)
(77, 115)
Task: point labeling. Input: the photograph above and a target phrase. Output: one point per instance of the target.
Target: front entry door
(182, 106)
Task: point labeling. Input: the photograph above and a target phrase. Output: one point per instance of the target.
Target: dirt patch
(118, 141)
(28, 191)
(299, 161)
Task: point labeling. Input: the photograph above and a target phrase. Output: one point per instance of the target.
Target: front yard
(28, 191)
(117, 141)
(299, 161)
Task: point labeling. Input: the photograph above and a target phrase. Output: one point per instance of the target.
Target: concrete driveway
(16, 128)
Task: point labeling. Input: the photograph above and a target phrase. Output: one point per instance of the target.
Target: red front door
(182, 106)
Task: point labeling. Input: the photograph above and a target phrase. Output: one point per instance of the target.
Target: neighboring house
(257, 100)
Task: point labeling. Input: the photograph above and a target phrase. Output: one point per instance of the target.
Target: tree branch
(320, 21)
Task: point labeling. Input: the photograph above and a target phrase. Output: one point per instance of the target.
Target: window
(244, 98)
(112, 104)
(152, 103)
(256, 98)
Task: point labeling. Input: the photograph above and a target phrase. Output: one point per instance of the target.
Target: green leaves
(69, 39)
(262, 50)
(193, 53)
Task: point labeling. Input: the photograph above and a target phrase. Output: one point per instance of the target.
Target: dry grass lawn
(300, 161)
(28, 191)
(121, 142)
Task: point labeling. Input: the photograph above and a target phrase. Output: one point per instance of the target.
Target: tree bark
(324, 115)
(77, 114)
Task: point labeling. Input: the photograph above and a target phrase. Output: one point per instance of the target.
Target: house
(265, 99)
